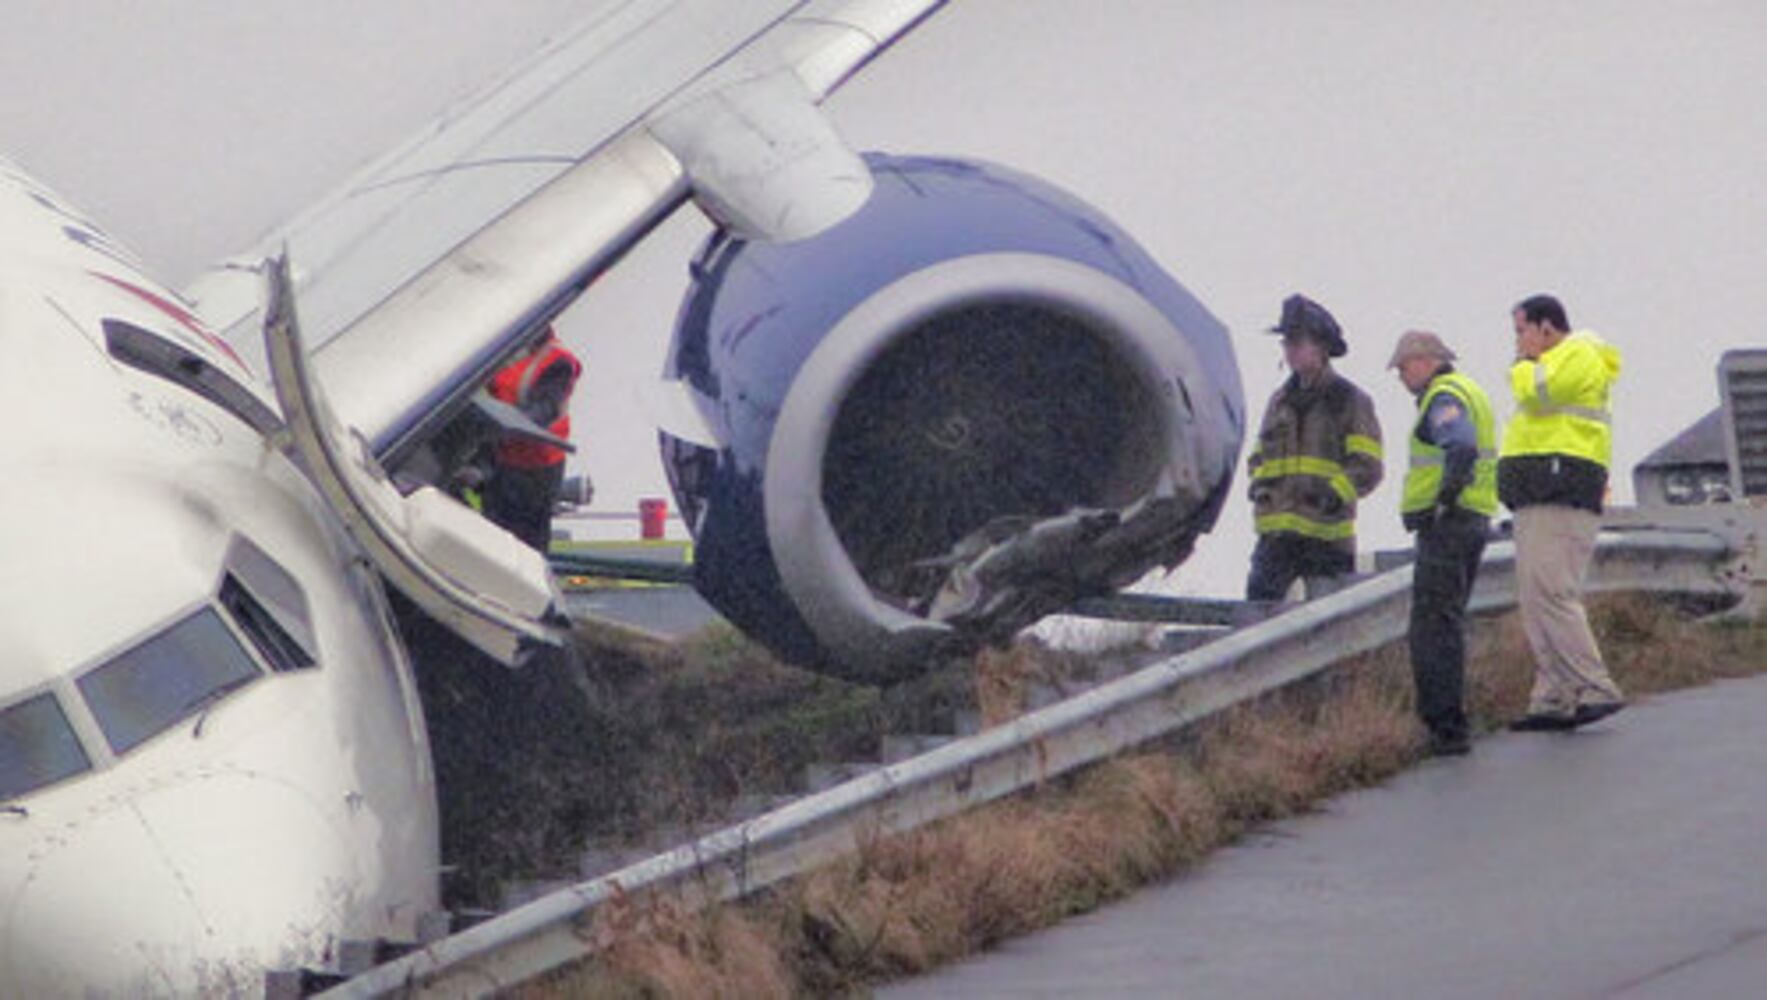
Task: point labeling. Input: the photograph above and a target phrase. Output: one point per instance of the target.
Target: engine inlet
(991, 411)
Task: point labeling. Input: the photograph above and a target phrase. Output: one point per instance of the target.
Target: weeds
(911, 902)
(534, 762)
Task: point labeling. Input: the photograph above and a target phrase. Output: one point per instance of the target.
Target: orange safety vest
(511, 385)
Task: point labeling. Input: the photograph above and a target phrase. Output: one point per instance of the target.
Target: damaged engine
(960, 409)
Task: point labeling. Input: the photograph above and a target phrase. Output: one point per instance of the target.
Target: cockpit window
(172, 676)
(269, 606)
(150, 352)
(37, 746)
(279, 648)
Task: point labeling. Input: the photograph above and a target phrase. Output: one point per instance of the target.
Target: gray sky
(1406, 164)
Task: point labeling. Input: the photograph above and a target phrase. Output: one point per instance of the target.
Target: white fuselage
(212, 756)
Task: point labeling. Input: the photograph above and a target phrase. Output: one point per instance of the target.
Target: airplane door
(472, 576)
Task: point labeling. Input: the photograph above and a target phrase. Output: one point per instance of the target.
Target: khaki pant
(1553, 546)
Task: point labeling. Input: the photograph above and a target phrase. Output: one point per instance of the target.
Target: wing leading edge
(414, 298)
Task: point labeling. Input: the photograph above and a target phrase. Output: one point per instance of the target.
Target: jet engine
(971, 402)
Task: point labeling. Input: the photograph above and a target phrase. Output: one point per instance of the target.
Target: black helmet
(1302, 315)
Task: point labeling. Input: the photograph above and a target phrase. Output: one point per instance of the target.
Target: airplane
(912, 404)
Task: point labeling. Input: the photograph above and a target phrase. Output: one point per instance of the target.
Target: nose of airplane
(191, 887)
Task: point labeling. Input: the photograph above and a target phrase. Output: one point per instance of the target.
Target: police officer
(1552, 471)
(1450, 495)
(1317, 452)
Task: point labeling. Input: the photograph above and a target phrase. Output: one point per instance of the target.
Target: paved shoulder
(1625, 860)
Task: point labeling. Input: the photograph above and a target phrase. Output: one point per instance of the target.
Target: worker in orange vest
(526, 475)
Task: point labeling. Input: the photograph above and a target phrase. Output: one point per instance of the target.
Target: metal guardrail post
(1171, 610)
(1158, 700)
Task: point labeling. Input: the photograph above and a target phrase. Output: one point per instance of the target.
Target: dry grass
(1002, 681)
(655, 946)
(912, 902)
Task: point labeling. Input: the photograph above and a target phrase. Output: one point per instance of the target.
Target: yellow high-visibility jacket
(1557, 447)
(1426, 475)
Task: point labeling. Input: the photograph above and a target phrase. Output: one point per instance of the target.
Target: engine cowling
(956, 411)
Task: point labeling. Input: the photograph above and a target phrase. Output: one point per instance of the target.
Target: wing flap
(482, 158)
(432, 265)
(399, 369)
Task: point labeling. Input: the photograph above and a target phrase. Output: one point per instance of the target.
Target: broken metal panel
(1015, 571)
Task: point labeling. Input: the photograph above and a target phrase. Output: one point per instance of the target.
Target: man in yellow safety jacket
(1552, 471)
(1450, 495)
(1317, 452)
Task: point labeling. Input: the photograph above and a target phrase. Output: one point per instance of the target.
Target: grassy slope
(531, 763)
(915, 901)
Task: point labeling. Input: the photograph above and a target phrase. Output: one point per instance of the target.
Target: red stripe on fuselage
(183, 316)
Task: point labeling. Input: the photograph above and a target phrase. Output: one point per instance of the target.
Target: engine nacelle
(955, 412)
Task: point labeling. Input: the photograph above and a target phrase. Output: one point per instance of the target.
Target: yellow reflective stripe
(1581, 412)
(1300, 465)
(1543, 405)
(1362, 444)
(1307, 465)
(1333, 532)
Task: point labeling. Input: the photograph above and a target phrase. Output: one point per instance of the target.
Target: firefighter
(526, 475)
(1552, 472)
(1450, 494)
(1317, 453)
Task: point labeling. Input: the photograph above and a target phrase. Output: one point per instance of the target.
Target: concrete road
(1627, 860)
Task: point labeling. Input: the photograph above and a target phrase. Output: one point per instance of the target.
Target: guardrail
(649, 571)
(1715, 558)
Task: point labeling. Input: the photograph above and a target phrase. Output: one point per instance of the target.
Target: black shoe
(1544, 722)
(1449, 745)
(1585, 714)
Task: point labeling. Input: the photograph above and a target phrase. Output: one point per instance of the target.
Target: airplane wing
(918, 403)
(431, 266)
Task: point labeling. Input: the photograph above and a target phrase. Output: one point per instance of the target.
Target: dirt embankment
(670, 737)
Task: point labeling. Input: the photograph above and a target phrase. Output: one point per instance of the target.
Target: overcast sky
(1406, 164)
